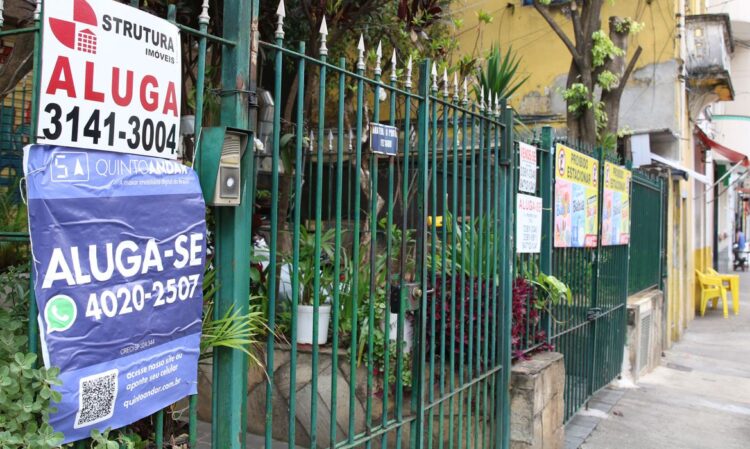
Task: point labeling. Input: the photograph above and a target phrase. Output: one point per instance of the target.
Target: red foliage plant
(527, 336)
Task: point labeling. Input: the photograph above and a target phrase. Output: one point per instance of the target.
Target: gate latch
(593, 313)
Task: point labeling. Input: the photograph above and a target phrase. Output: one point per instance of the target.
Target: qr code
(96, 398)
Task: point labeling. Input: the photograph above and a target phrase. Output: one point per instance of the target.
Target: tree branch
(575, 16)
(629, 70)
(544, 12)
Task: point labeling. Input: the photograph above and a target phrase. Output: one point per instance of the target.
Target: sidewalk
(699, 398)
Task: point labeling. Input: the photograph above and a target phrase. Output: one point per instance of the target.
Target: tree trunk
(613, 97)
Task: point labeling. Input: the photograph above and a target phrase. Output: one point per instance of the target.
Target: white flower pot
(305, 324)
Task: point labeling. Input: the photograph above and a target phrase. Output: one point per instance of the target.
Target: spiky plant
(499, 73)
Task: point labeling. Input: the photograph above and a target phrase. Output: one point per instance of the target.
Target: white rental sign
(528, 224)
(527, 168)
(110, 79)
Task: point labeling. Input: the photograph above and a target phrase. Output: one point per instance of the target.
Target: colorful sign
(110, 79)
(616, 206)
(527, 168)
(528, 224)
(383, 139)
(576, 199)
(119, 244)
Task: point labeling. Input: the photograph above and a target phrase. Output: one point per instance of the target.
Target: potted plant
(306, 281)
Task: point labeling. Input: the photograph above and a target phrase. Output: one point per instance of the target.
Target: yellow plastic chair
(732, 284)
(712, 289)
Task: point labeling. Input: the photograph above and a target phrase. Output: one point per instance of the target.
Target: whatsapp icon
(60, 313)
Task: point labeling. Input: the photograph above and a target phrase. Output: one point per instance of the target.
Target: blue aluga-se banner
(119, 247)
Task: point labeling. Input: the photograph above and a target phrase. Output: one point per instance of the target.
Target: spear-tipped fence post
(280, 14)
(361, 53)
(446, 86)
(378, 58)
(408, 73)
(274, 219)
(455, 87)
(434, 77)
(323, 37)
(394, 63)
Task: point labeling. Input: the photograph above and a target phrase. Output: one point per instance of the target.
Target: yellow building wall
(544, 56)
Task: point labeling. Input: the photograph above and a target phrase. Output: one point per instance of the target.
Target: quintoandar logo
(67, 32)
(60, 313)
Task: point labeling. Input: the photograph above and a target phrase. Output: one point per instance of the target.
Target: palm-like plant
(232, 330)
(499, 73)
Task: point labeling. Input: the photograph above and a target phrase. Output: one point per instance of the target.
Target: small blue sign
(384, 139)
(119, 247)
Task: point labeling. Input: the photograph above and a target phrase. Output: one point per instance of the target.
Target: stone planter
(536, 407)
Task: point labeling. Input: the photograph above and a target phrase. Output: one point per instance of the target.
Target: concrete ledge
(536, 407)
(644, 309)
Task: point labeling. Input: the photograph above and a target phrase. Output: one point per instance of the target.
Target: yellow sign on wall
(576, 198)
(616, 206)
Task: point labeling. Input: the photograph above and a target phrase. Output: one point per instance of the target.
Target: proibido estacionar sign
(110, 79)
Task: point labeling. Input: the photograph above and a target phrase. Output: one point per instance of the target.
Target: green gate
(647, 255)
(590, 332)
(408, 252)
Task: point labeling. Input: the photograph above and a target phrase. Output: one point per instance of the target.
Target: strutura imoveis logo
(77, 34)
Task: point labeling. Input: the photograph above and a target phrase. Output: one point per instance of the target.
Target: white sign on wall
(110, 79)
(528, 224)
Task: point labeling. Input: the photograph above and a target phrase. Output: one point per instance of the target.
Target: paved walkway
(699, 397)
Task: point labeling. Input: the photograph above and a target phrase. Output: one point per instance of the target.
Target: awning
(735, 157)
(680, 168)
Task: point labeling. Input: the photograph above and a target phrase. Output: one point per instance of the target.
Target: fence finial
(445, 82)
(378, 58)
(394, 63)
(38, 11)
(455, 86)
(323, 37)
(204, 18)
(330, 141)
(361, 50)
(465, 100)
(280, 13)
(434, 77)
(351, 139)
(497, 104)
(312, 141)
(481, 98)
(408, 73)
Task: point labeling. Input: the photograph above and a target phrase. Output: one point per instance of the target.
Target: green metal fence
(412, 244)
(647, 224)
(407, 252)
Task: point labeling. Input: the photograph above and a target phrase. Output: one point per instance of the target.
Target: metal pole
(546, 180)
(422, 190)
(507, 254)
(233, 232)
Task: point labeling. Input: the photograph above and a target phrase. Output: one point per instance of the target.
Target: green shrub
(26, 393)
